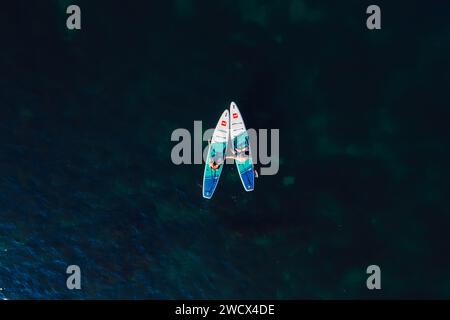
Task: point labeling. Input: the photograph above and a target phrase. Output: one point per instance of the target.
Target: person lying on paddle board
(241, 155)
(215, 163)
(216, 160)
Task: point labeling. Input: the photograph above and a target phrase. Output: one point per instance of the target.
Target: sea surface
(86, 176)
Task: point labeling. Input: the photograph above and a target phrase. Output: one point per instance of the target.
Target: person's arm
(238, 158)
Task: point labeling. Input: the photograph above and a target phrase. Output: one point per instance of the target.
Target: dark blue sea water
(85, 171)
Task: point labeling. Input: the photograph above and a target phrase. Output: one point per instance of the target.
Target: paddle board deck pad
(216, 152)
(241, 147)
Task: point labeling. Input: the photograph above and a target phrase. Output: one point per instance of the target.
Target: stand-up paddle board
(216, 156)
(241, 147)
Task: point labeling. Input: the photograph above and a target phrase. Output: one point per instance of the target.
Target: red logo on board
(224, 123)
(235, 115)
